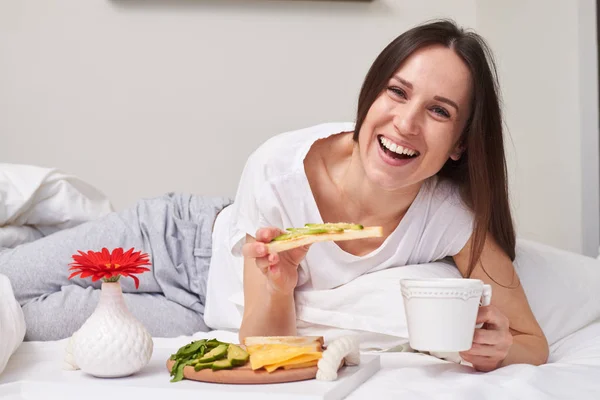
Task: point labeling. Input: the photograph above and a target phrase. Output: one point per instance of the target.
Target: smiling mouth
(393, 150)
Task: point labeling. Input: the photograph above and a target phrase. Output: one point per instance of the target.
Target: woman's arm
(511, 334)
(269, 284)
(266, 312)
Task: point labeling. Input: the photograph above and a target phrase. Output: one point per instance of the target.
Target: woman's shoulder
(283, 154)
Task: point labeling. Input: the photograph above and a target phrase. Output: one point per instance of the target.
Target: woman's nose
(406, 121)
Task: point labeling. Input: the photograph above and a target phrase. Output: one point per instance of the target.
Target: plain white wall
(140, 97)
(547, 61)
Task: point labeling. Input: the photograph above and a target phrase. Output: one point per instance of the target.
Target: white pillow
(12, 322)
(563, 288)
(371, 304)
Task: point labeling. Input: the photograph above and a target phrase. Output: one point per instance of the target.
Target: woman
(424, 160)
(430, 95)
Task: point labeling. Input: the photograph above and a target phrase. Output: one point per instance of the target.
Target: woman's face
(414, 125)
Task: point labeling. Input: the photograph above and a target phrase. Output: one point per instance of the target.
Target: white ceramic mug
(441, 314)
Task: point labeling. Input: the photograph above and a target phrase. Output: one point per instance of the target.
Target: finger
(294, 256)
(491, 315)
(254, 250)
(486, 350)
(263, 263)
(475, 358)
(483, 364)
(273, 259)
(273, 271)
(487, 336)
(265, 235)
(482, 350)
(484, 315)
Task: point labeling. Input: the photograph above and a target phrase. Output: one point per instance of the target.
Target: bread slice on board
(297, 341)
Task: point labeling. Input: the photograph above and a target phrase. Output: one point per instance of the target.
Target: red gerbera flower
(109, 266)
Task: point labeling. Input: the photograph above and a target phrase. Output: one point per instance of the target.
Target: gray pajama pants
(175, 230)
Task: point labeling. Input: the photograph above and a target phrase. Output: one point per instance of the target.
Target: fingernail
(262, 250)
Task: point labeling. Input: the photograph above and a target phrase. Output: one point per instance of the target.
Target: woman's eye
(397, 91)
(441, 112)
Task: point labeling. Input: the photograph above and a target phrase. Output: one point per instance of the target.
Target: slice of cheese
(268, 354)
(299, 360)
(302, 365)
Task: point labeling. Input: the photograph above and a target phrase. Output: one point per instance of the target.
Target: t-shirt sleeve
(253, 206)
(448, 226)
(463, 223)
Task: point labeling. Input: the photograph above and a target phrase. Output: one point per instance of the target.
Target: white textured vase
(112, 342)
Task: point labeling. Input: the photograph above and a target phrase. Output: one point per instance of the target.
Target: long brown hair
(480, 173)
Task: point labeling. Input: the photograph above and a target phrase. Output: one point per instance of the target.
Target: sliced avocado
(314, 231)
(284, 236)
(200, 366)
(337, 225)
(295, 232)
(355, 227)
(309, 229)
(201, 352)
(221, 364)
(237, 355)
(313, 225)
(212, 343)
(188, 349)
(215, 354)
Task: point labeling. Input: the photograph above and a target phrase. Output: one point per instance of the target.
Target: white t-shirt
(274, 191)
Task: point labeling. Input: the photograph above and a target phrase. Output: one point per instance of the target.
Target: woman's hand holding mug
(455, 315)
(491, 342)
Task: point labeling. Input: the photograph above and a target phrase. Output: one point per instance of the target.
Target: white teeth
(395, 148)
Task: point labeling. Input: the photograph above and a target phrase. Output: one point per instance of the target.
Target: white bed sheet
(573, 373)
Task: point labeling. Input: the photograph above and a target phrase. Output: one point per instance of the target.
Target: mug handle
(486, 299)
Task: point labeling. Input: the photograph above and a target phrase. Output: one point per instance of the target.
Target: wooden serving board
(245, 374)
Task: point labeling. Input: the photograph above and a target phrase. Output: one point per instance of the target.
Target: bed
(35, 370)
(563, 289)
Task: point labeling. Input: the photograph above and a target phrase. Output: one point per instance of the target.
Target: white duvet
(37, 201)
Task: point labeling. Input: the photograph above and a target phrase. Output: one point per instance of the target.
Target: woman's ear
(457, 153)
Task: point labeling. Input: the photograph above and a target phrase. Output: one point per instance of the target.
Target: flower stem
(112, 279)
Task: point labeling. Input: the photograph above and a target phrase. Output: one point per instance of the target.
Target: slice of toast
(296, 341)
(303, 240)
